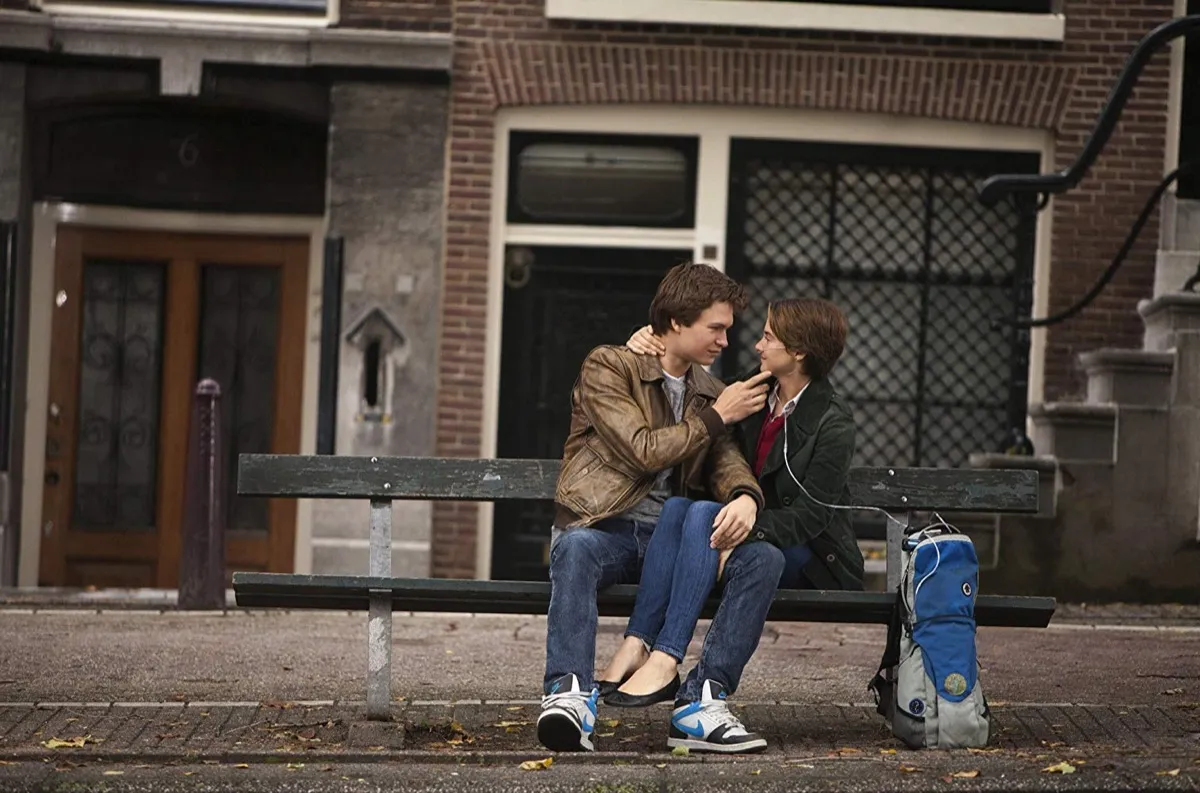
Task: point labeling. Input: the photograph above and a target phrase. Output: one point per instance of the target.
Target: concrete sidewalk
(167, 697)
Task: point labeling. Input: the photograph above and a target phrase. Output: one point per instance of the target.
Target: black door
(1189, 123)
(559, 303)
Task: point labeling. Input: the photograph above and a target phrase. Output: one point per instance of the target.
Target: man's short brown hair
(811, 326)
(687, 290)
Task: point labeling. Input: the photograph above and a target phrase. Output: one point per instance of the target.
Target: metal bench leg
(379, 616)
(895, 536)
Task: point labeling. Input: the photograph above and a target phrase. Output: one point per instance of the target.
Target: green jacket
(820, 447)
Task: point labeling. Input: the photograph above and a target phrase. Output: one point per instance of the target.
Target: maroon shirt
(766, 439)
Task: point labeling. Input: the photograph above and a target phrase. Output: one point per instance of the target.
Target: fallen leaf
(887, 751)
(1170, 692)
(985, 751)
(966, 774)
(755, 772)
(70, 743)
(1052, 744)
(189, 773)
(537, 765)
(515, 707)
(1172, 772)
(1059, 768)
(8, 762)
(242, 765)
(294, 766)
(660, 765)
(456, 727)
(680, 751)
(909, 769)
(113, 773)
(605, 734)
(849, 750)
(613, 723)
(511, 724)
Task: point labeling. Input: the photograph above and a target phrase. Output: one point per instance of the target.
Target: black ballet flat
(606, 687)
(619, 699)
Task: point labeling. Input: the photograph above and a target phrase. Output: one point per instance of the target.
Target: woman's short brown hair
(687, 290)
(811, 326)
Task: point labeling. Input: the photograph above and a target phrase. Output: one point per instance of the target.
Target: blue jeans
(678, 574)
(751, 577)
(795, 558)
(582, 562)
(747, 587)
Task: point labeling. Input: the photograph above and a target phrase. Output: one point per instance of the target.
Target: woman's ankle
(660, 660)
(629, 657)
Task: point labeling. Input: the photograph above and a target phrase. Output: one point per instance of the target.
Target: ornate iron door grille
(898, 239)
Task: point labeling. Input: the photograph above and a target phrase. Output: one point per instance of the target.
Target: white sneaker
(568, 717)
(708, 726)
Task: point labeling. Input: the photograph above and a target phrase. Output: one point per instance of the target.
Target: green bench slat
(282, 590)
(466, 479)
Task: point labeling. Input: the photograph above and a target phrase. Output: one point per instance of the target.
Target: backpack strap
(880, 684)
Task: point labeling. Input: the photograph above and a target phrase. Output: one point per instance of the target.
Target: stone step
(1167, 315)
(1172, 269)
(1074, 430)
(1128, 377)
(1180, 229)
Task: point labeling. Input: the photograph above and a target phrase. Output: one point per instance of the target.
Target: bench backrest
(466, 479)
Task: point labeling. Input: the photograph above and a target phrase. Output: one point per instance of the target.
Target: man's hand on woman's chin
(733, 523)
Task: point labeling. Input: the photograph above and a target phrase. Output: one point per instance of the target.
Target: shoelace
(720, 710)
(554, 699)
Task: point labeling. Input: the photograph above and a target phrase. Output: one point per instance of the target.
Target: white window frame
(715, 127)
(817, 16)
(190, 15)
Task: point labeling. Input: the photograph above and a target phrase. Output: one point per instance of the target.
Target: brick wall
(415, 15)
(509, 54)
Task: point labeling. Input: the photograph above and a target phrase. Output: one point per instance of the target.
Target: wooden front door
(139, 319)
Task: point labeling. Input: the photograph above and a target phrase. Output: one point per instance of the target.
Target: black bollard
(202, 562)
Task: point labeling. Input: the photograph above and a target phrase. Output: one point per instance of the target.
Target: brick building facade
(804, 147)
(510, 55)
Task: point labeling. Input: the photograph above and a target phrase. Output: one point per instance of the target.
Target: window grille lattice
(921, 269)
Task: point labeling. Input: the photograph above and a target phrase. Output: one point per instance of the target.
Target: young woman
(800, 447)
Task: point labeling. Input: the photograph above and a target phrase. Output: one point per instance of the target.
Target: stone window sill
(890, 19)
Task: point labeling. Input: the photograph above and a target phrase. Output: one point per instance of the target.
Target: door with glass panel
(139, 319)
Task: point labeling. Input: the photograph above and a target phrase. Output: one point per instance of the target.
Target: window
(1036, 20)
(898, 239)
(602, 180)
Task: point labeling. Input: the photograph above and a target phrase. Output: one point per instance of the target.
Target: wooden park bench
(900, 491)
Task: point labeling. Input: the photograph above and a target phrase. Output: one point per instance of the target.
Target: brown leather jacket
(623, 434)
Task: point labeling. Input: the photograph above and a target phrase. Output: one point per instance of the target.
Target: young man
(642, 429)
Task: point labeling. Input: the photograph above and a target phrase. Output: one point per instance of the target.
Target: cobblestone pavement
(162, 697)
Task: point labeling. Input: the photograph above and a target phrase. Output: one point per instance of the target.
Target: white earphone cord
(939, 521)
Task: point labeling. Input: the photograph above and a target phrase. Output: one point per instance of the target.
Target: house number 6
(189, 153)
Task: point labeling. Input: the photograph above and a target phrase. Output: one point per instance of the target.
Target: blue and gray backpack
(927, 687)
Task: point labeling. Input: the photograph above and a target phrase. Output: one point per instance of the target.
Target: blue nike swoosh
(588, 724)
(695, 732)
